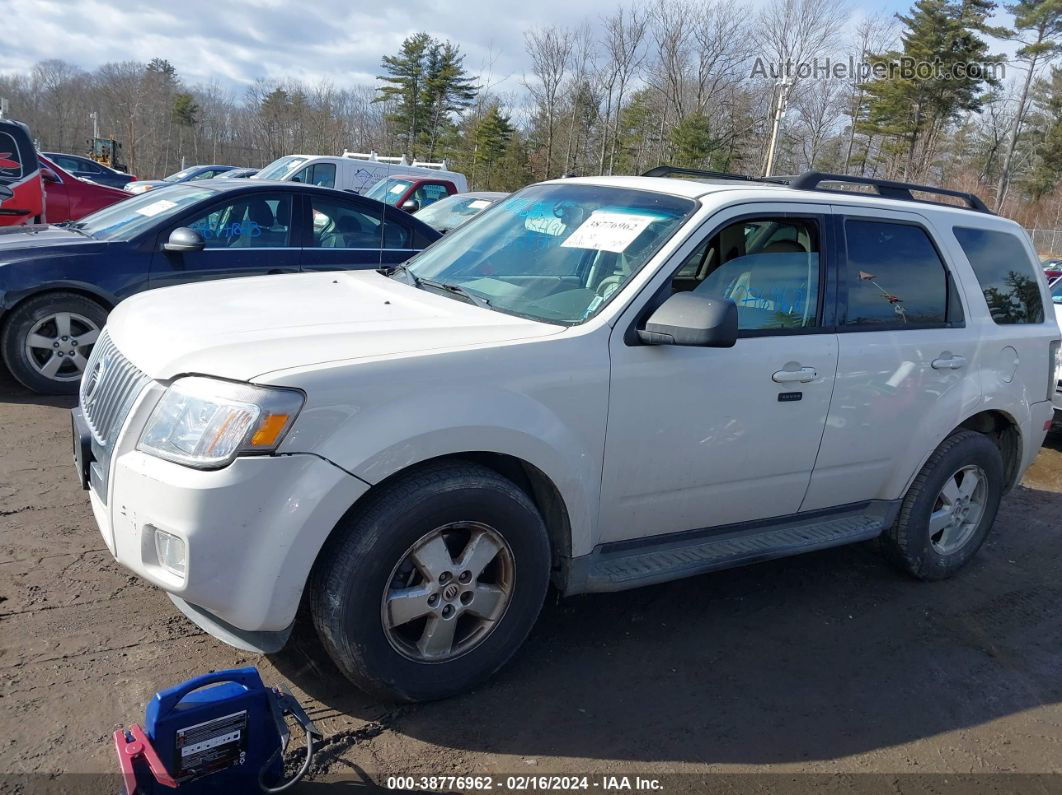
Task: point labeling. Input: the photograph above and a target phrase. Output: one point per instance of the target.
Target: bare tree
(550, 51)
(624, 34)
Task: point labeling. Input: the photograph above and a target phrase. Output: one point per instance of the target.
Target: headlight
(205, 423)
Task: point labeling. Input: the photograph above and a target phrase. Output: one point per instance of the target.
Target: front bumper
(251, 532)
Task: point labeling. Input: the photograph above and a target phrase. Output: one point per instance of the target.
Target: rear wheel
(433, 584)
(47, 341)
(949, 509)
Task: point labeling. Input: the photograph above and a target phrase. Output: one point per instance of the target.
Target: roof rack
(676, 171)
(890, 189)
(812, 180)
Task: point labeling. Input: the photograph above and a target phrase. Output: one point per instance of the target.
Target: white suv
(600, 382)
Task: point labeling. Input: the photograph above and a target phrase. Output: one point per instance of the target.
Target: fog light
(169, 551)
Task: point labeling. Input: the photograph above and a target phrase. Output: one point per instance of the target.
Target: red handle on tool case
(132, 744)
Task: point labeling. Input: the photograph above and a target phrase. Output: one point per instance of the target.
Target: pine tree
(428, 82)
(1046, 126)
(940, 73)
(491, 137)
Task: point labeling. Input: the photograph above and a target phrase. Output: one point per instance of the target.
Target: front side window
(894, 276)
(1006, 274)
(257, 221)
(554, 252)
(769, 267)
(340, 224)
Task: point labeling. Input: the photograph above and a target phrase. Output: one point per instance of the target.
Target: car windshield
(179, 176)
(281, 167)
(388, 190)
(555, 252)
(131, 216)
(451, 212)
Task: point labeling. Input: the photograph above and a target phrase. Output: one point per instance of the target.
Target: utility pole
(95, 124)
(3, 108)
(783, 99)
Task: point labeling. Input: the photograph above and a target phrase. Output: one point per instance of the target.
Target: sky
(235, 42)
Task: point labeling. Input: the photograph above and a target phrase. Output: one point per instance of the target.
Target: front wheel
(433, 584)
(47, 341)
(949, 509)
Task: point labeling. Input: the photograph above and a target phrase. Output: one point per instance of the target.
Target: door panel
(702, 437)
(900, 387)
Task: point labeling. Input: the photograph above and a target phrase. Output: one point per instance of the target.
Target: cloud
(236, 42)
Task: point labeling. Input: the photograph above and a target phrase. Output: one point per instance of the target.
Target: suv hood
(243, 328)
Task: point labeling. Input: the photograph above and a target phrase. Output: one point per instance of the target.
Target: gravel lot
(829, 663)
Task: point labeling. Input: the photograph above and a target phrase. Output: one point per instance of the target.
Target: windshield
(280, 167)
(129, 217)
(388, 190)
(555, 252)
(180, 176)
(451, 212)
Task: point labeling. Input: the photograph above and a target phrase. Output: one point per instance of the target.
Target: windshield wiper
(393, 269)
(474, 298)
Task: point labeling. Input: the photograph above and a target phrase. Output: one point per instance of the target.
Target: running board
(630, 564)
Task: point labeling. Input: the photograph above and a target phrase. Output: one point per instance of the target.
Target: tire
(379, 553)
(42, 317)
(939, 552)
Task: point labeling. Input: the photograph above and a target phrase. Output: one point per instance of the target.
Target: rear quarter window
(12, 158)
(1006, 274)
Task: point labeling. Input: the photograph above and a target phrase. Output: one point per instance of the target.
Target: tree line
(698, 83)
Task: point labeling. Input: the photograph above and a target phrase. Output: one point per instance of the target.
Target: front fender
(549, 413)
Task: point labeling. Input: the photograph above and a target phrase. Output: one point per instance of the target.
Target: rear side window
(12, 158)
(895, 277)
(1005, 273)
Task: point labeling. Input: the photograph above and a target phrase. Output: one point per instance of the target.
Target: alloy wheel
(448, 592)
(958, 509)
(58, 345)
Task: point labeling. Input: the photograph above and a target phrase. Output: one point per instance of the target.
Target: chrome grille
(108, 389)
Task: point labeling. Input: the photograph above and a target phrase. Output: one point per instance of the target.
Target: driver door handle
(801, 376)
(949, 362)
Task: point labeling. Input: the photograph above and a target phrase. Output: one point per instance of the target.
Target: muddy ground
(829, 663)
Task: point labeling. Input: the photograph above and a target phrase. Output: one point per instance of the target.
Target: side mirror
(411, 205)
(184, 239)
(688, 319)
(5, 193)
(48, 176)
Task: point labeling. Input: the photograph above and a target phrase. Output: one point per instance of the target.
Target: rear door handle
(801, 376)
(949, 362)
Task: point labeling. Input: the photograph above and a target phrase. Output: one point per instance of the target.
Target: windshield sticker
(401, 186)
(478, 204)
(153, 209)
(608, 231)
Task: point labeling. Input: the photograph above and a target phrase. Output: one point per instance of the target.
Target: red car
(67, 198)
(21, 195)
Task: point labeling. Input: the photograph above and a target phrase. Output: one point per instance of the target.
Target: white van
(353, 171)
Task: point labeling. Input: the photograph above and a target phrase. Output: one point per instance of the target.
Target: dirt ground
(831, 663)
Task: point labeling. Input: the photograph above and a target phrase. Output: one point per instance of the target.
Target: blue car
(57, 283)
(85, 167)
(184, 175)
